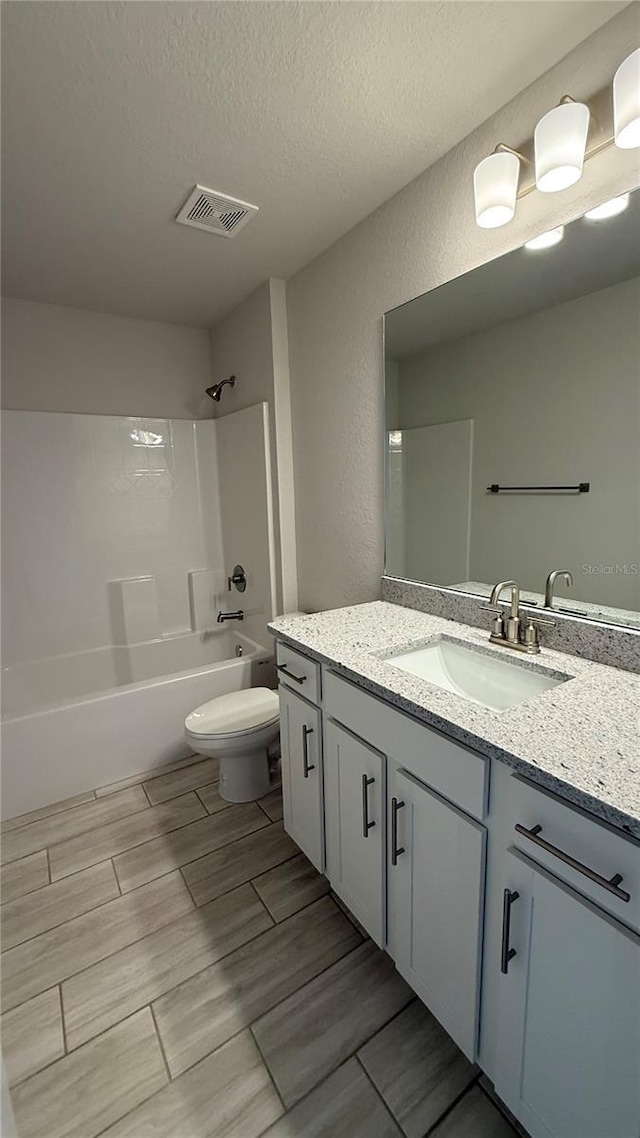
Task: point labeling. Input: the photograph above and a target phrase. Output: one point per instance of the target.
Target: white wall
(421, 238)
(556, 399)
(84, 504)
(69, 359)
(252, 344)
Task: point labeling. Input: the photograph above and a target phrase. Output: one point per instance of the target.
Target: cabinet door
(355, 823)
(569, 1011)
(436, 895)
(302, 782)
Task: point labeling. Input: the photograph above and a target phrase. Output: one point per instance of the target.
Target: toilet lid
(230, 714)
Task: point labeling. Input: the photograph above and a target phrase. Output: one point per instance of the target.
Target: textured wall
(422, 237)
(91, 363)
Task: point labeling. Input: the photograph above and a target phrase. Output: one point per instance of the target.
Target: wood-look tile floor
(173, 967)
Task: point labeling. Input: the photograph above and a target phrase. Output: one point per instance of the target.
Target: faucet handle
(539, 621)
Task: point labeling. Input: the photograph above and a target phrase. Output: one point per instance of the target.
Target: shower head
(216, 391)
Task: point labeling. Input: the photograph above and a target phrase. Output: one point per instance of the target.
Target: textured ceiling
(317, 112)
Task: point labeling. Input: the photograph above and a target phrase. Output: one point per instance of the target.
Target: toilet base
(244, 777)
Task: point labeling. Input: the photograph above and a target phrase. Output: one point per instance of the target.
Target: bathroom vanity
(494, 854)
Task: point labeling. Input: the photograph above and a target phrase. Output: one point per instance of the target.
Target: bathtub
(75, 722)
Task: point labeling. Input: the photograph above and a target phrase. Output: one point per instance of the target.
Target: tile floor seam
(219, 960)
(295, 913)
(102, 958)
(379, 1093)
(74, 1050)
(452, 1105)
(50, 929)
(48, 868)
(353, 1054)
(160, 1044)
(268, 1070)
(145, 809)
(146, 776)
(62, 1021)
(184, 864)
(82, 834)
(214, 782)
(19, 1082)
(55, 814)
(144, 791)
(90, 830)
(115, 874)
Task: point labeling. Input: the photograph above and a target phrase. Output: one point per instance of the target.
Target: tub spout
(222, 616)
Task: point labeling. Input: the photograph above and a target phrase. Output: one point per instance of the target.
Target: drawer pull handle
(395, 851)
(306, 765)
(290, 675)
(366, 824)
(612, 885)
(507, 953)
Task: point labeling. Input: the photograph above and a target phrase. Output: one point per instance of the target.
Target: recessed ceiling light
(608, 209)
(546, 240)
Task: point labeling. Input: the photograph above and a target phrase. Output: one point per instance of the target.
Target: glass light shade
(626, 102)
(608, 209)
(560, 141)
(495, 186)
(545, 240)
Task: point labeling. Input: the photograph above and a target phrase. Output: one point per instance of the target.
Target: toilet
(238, 729)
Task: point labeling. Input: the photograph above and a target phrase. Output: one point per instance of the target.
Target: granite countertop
(580, 739)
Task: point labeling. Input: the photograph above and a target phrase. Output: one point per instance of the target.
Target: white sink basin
(475, 675)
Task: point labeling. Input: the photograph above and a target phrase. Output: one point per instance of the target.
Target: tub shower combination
(89, 718)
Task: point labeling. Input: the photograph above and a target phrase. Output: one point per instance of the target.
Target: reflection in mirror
(513, 424)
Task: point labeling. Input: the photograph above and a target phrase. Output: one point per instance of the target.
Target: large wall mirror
(513, 423)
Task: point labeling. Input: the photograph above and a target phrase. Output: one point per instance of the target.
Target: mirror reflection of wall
(526, 374)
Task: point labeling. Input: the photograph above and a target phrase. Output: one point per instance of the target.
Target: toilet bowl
(237, 729)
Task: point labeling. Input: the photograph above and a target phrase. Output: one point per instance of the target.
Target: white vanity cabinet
(436, 902)
(302, 781)
(355, 810)
(568, 1058)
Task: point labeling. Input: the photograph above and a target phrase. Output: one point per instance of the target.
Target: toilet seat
(239, 713)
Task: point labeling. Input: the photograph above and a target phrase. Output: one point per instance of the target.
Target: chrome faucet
(519, 632)
(222, 616)
(551, 580)
(499, 634)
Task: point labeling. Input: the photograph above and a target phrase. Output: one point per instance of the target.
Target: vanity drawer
(458, 774)
(601, 853)
(298, 672)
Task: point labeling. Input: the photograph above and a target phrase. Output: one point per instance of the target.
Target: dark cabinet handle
(507, 953)
(611, 885)
(306, 765)
(366, 824)
(395, 851)
(285, 671)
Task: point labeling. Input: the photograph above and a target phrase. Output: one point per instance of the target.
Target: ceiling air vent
(217, 213)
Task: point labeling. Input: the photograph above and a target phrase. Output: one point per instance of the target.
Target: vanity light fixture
(608, 209)
(563, 139)
(560, 141)
(545, 240)
(495, 185)
(626, 102)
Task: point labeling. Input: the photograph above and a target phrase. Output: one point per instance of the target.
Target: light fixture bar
(600, 138)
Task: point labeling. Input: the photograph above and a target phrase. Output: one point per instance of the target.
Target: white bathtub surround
(204, 592)
(135, 615)
(246, 513)
(78, 721)
(90, 499)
